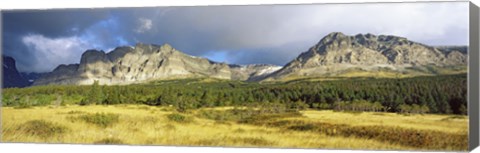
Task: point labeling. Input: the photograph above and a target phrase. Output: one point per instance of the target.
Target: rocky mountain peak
(8, 62)
(166, 47)
(334, 35)
(145, 48)
(145, 62)
(333, 41)
(119, 52)
(338, 41)
(333, 54)
(152, 48)
(339, 52)
(92, 55)
(64, 67)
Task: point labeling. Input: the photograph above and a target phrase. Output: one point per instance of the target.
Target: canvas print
(369, 76)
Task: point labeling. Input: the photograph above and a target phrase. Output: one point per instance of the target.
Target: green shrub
(22, 106)
(42, 128)
(43, 99)
(100, 119)
(109, 141)
(321, 106)
(183, 106)
(71, 99)
(94, 96)
(178, 118)
(76, 112)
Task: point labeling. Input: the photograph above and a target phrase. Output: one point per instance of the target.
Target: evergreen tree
(94, 95)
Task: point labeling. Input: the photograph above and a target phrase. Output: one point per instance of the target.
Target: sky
(40, 40)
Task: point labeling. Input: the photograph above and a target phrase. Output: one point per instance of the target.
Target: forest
(445, 94)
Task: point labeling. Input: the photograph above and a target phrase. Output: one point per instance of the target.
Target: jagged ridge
(337, 52)
(142, 63)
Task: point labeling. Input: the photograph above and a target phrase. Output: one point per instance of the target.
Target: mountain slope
(252, 72)
(447, 49)
(31, 76)
(11, 76)
(337, 53)
(141, 63)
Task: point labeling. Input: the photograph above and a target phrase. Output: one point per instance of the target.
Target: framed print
(357, 76)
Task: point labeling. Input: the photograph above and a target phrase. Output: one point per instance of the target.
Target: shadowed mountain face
(31, 76)
(336, 53)
(447, 49)
(11, 77)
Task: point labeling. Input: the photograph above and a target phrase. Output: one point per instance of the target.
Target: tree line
(434, 94)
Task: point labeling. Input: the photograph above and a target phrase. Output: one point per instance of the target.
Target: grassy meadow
(411, 113)
(233, 127)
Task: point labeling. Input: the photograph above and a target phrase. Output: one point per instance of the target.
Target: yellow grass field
(149, 125)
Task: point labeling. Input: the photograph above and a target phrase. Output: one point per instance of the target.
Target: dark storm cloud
(197, 30)
(51, 23)
(40, 40)
(246, 31)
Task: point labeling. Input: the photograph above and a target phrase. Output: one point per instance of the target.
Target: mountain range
(145, 62)
(334, 55)
(11, 77)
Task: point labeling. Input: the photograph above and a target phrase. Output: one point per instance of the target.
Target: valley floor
(149, 125)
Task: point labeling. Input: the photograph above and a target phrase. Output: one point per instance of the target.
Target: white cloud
(240, 27)
(51, 52)
(144, 25)
(248, 34)
(431, 23)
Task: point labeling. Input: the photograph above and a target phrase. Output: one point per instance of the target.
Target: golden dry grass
(145, 125)
(444, 123)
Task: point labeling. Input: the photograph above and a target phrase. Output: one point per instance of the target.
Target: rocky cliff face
(334, 54)
(142, 63)
(338, 52)
(11, 76)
